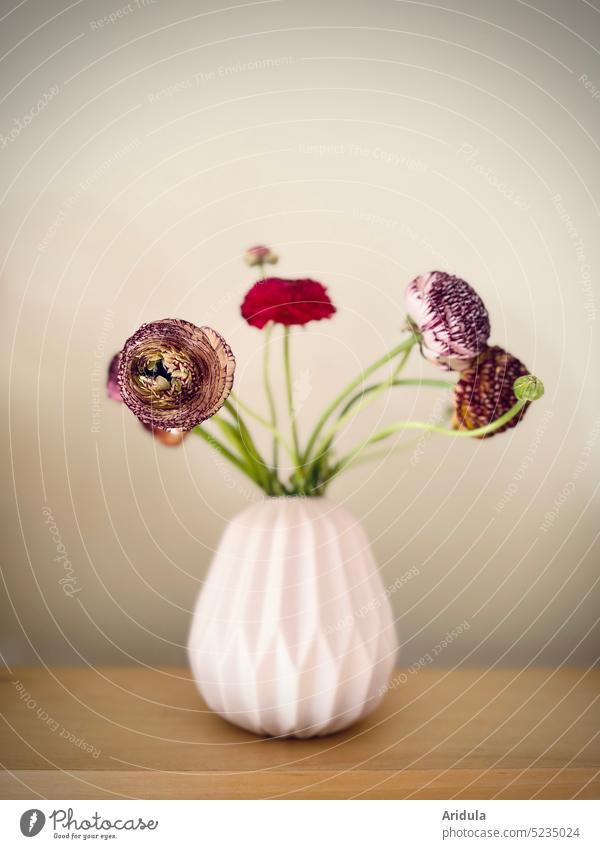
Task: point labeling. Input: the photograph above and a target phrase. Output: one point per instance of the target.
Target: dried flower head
(112, 382)
(485, 391)
(173, 375)
(260, 255)
(451, 318)
(286, 302)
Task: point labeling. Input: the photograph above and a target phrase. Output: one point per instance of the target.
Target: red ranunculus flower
(286, 302)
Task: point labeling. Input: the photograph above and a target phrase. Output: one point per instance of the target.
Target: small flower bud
(260, 255)
(528, 388)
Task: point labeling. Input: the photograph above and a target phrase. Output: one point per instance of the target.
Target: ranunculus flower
(286, 302)
(260, 255)
(174, 375)
(112, 383)
(484, 391)
(451, 318)
(173, 436)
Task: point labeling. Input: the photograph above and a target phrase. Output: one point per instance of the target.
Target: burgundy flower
(485, 391)
(260, 255)
(451, 318)
(112, 383)
(286, 302)
(173, 375)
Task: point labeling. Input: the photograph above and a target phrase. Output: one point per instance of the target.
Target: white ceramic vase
(293, 633)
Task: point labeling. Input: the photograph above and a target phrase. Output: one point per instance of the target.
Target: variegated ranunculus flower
(451, 318)
(171, 437)
(485, 391)
(174, 375)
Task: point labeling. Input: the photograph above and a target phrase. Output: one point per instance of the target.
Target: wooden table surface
(119, 732)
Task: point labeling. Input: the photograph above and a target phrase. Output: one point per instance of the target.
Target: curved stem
(290, 395)
(376, 455)
(269, 393)
(408, 381)
(397, 426)
(403, 381)
(362, 401)
(329, 410)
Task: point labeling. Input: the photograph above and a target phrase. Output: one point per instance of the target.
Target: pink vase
(293, 633)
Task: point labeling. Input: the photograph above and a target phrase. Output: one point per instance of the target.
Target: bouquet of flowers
(175, 376)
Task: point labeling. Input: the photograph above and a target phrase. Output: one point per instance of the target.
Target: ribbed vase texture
(293, 633)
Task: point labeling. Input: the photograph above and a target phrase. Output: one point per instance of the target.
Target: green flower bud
(528, 388)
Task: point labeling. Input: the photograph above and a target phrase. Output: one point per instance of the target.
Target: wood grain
(119, 732)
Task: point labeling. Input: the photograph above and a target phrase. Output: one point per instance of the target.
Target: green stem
(269, 394)
(290, 396)
(348, 410)
(399, 349)
(397, 426)
(377, 455)
(403, 381)
(316, 465)
(225, 452)
(248, 446)
(278, 436)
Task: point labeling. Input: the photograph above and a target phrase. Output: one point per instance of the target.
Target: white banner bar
(289, 824)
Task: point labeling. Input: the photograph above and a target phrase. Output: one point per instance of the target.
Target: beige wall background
(366, 142)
